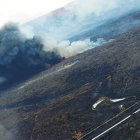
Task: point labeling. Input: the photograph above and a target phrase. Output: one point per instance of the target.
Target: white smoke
(67, 49)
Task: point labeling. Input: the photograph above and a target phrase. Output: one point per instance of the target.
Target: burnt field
(57, 104)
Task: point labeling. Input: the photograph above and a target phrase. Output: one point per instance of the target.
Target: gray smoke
(13, 45)
(19, 53)
(21, 56)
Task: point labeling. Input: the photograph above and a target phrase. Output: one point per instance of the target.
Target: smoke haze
(81, 16)
(67, 49)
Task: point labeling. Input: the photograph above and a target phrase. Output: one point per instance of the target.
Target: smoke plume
(67, 49)
(22, 56)
(13, 45)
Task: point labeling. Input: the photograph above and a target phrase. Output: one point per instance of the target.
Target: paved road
(112, 123)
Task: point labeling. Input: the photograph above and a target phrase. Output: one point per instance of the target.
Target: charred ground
(57, 104)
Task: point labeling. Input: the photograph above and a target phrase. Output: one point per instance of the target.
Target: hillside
(57, 104)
